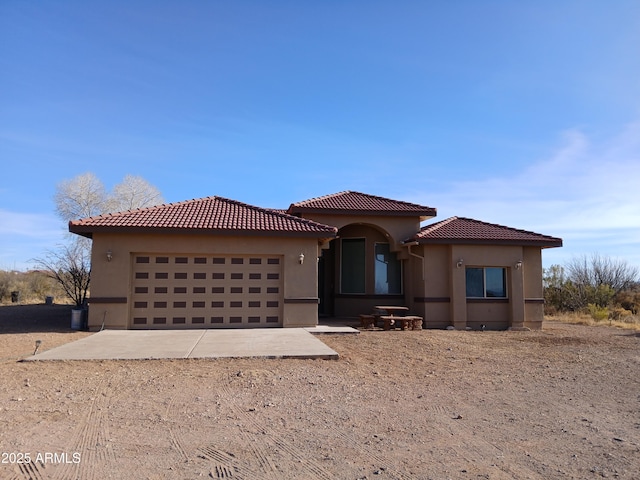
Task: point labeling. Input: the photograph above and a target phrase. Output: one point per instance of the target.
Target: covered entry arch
(361, 268)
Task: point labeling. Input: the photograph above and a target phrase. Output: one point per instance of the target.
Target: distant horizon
(523, 114)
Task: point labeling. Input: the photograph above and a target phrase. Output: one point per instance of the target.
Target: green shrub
(598, 313)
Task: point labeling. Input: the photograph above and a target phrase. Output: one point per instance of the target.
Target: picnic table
(391, 309)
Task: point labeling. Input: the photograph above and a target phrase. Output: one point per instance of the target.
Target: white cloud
(24, 236)
(586, 192)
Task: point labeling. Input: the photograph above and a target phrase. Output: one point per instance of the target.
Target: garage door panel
(183, 291)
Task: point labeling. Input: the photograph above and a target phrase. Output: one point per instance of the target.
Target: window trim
(484, 284)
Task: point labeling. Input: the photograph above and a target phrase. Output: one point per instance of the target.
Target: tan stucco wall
(111, 281)
(445, 301)
(398, 228)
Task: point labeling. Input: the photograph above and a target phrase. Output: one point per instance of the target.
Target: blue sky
(521, 113)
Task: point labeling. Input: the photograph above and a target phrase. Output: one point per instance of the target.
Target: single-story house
(219, 263)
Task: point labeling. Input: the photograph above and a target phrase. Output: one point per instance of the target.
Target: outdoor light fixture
(109, 255)
(518, 264)
(459, 264)
(301, 258)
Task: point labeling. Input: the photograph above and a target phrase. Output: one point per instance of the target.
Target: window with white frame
(388, 271)
(486, 282)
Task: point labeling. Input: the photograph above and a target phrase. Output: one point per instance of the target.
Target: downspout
(411, 244)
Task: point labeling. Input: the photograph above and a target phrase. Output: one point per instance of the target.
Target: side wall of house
(445, 300)
(111, 281)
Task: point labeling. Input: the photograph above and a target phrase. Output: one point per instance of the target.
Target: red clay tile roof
(468, 231)
(349, 203)
(206, 215)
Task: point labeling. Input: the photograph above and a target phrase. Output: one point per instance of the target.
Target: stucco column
(458, 294)
(516, 296)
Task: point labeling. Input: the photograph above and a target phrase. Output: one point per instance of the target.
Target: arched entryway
(359, 269)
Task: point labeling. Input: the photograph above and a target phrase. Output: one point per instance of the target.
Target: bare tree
(70, 266)
(597, 271)
(132, 192)
(85, 196)
(82, 196)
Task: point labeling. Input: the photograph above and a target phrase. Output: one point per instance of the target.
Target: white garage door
(196, 291)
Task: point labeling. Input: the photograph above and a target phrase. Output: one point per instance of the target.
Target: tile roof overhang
(356, 203)
(460, 230)
(210, 215)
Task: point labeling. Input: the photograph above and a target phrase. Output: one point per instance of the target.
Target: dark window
(180, 275)
(162, 259)
(486, 282)
(352, 265)
(388, 271)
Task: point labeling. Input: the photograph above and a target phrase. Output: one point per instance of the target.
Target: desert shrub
(619, 313)
(33, 286)
(629, 300)
(597, 312)
(5, 285)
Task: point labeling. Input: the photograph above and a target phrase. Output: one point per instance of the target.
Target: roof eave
(472, 241)
(88, 231)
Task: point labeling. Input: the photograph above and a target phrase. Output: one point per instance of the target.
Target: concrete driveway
(214, 343)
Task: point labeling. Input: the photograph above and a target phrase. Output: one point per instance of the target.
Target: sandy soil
(560, 403)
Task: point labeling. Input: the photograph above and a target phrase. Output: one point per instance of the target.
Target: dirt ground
(560, 403)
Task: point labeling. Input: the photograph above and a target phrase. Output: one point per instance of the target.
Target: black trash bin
(15, 297)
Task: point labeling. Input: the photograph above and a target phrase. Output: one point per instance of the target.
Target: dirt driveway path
(560, 403)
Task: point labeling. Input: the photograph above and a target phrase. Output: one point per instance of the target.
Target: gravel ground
(563, 402)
